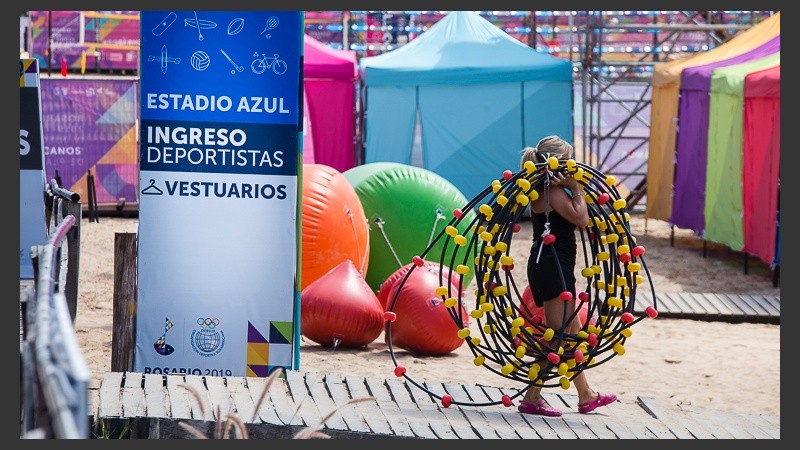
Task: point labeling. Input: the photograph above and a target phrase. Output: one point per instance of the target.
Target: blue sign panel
(218, 231)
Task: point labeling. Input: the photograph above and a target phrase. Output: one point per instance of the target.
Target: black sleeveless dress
(555, 270)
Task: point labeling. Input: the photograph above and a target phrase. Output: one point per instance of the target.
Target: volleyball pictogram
(200, 60)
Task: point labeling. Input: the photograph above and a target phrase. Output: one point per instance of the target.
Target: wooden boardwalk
(714, 307)
(157, 404)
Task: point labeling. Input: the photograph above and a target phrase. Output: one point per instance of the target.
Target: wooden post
(73, 258)
(123, 339)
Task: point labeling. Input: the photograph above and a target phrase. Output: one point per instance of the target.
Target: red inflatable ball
(532, 313)
(424, 325)
(334, 224)
(340, 309)
(397, 276)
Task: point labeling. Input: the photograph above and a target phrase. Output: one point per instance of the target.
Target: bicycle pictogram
(262, 63)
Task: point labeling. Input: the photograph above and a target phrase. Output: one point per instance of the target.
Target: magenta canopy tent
(329, 79)
(688, 197)
(761, 163)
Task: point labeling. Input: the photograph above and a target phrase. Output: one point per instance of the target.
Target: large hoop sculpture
(509, 345)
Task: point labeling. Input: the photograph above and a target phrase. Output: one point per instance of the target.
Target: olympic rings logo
(208, 322)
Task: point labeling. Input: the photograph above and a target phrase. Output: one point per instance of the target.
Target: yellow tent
(664, 111)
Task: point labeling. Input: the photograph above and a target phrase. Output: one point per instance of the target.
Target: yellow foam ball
(533, 195)
(460, 240)
(450, 302)
(463, 333)
(522, 199)
(502, 200)
(441, 290)
(479, 360)
(548, 334)
(564, 382)
(462, 269)
(451, 230)
(524, 184)
(501, 247)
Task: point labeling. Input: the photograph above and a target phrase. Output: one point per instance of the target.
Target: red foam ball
(517, 227)
(638, 251)
(602, 199)
(506, 400)
(626, 317)
(507, 174)
(341, 309)
(592, 339)
(583, 296)
(417, 261)
(447, 399)
(549, 239)
(399, 371)
(553, 357)
(578, 355)
(651, 312)
(565, 296)
(390, 316)
(457, 213)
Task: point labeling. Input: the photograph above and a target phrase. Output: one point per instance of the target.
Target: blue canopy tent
(480, 95)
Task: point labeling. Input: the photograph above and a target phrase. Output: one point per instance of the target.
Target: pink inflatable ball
(340, 309)
(397, 276)
(424, 325)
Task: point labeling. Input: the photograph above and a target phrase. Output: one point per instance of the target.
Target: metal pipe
(64, 193)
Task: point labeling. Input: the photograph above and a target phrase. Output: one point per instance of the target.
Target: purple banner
(89, 40)
(90, 125)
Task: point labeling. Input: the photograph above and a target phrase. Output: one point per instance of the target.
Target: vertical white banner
(32, 184)
(218, 230)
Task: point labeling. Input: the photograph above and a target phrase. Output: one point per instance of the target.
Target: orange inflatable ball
(339, 309)
(399, 274)
(424, 325)
(334, 225)
(532, 313)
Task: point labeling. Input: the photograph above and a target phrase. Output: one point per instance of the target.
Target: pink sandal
(601, 400)
(540, 408)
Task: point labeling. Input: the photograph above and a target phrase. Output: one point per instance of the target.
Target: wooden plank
(110, 398)
(132, 395)
(406, 409)
(683, 303)
(578, 428)
(643, 300)
(156, 400)
(500, 416)
(241, 402)
(398, 391)
(325, 404)
(436, 418)
(403, 423)
(751, 424)
(305, 404)
(94, 402)
(598, 425)
(703, 301)
(739, 307)
(463, 415)
(760, 420)
(178, 397)
(666, 305)
(753, 304)
(719, 431)
(723, 305)
(623, 420)
(285, 406)
(537, 423)
(485, 415)
(263, 408)
(775, 302)
(218, 397)
(769, 303)
(351, 413)
(676, 425)
(577, 424)
(696, 305)
(123, 337)
(200, 403)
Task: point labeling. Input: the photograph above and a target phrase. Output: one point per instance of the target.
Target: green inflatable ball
(407, 209)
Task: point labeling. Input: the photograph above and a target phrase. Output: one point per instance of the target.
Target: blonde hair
(548, 146)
